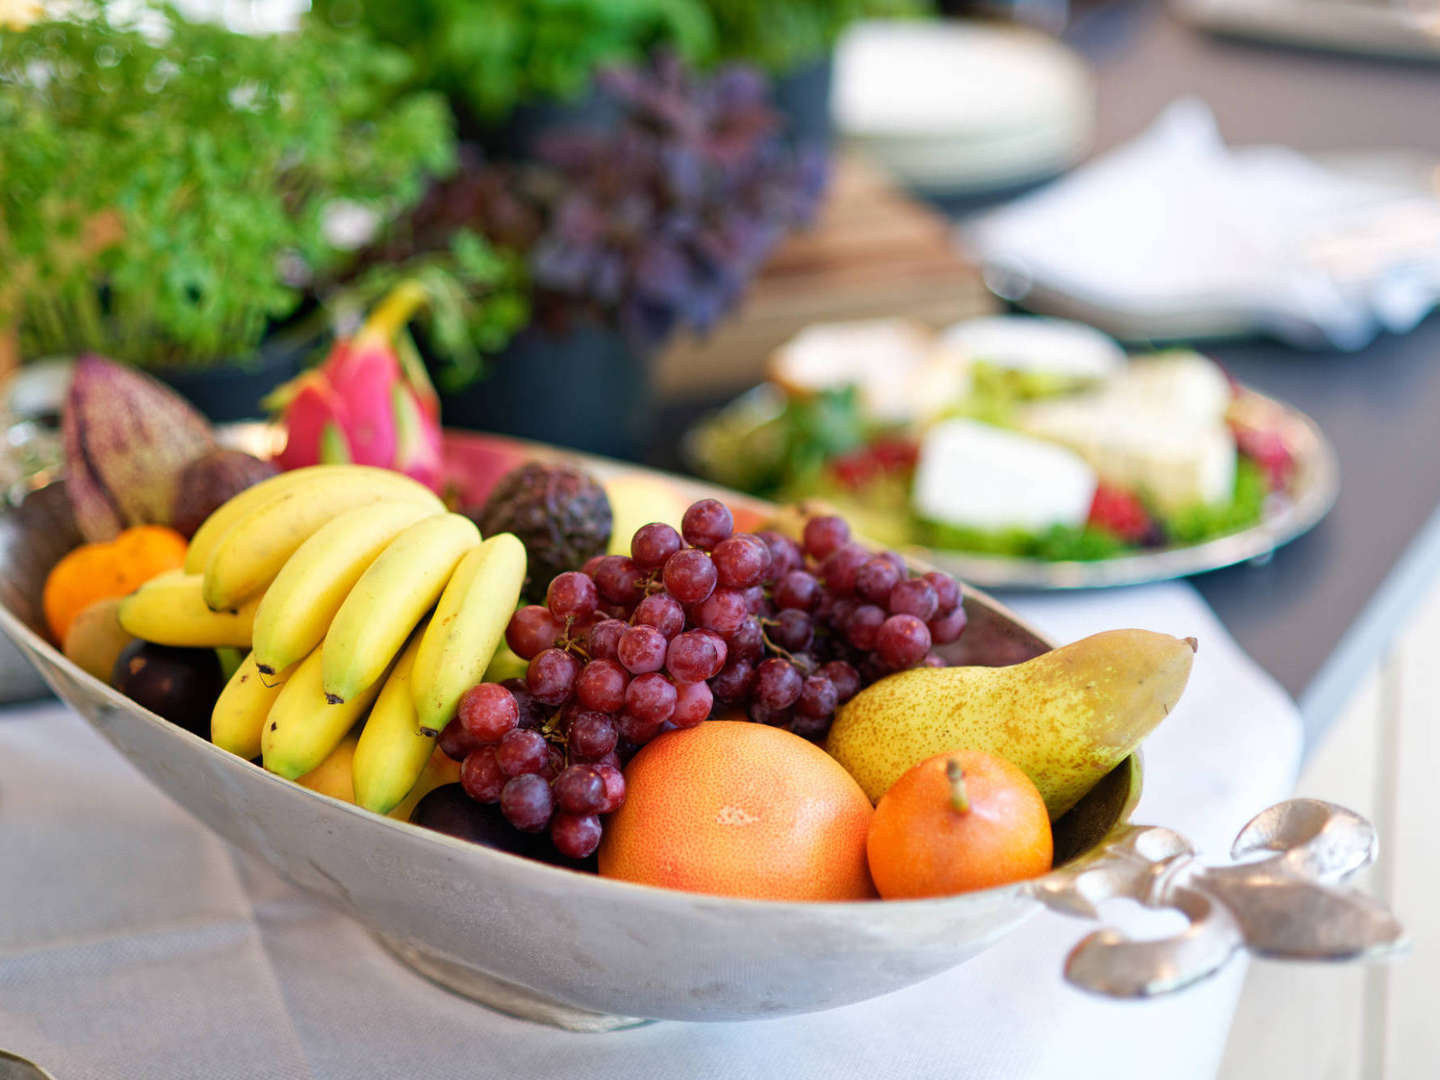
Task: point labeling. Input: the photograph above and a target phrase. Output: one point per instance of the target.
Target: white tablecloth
(135, 944)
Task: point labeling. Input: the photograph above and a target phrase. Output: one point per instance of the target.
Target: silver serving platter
(1312, 493)
(592, 954)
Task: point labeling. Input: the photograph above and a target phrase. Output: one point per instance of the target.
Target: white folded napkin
(1176, 234)
(134, 943)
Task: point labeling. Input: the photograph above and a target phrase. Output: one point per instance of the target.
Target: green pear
(1066, 718)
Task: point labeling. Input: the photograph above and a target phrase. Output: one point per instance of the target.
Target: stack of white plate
(960, 107)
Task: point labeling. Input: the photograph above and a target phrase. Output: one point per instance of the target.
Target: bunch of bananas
(359, 597)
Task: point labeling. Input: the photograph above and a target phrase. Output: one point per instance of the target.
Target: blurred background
(623, 214)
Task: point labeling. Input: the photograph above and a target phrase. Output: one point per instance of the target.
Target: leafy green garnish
(1199, 523)
(167, 192)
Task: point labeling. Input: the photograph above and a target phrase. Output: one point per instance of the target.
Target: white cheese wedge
(984, 477)
(882, 358)
(1045, 346)
(1158, 429)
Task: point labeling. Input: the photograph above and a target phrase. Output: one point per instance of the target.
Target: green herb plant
(782, 35)
(166, 189)
(490, 56)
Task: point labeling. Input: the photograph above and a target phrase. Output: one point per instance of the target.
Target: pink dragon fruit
(367, 403)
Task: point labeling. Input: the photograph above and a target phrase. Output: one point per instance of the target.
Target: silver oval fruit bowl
(589, 953)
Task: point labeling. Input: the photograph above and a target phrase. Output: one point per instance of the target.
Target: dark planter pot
(802, 96)
(519, 136)
(229, 392)
(586, 389)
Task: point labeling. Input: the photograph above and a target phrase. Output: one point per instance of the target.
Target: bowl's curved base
(502, 996)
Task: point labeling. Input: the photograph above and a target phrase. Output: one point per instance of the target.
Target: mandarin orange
(957, 822)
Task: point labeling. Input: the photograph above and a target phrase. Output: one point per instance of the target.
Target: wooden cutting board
(874, 252)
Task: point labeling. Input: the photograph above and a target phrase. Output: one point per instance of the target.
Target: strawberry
(1119, 512)
(1267, 448)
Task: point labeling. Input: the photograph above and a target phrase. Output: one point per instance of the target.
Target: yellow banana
(240, 711)
(169, 610)
(468, 626)
(305, 596)
(393, 750)
(257, 546)
(390, 599)
(302, 727)
(394, 486)
(335, 777)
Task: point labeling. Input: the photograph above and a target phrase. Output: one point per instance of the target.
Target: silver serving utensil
(1289, 905)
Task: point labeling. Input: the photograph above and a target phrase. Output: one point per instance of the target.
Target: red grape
(817, 697)
(654, 543)
(797, 589)
(777, 684)
(650, 697)
(756, 602)
(903, 641)
(579, 790)
(693, 657)
(601, 686)
(946, 628)
(895, 559)
(603, 637)
(843, 677)
(591, 565)
(531, 631)
(933, 660)
(455, 742)
(793, 630)
(689, 576)
(809, 727)
(840, 568)
(619, 580)
(533, 712)
(551, 676)
(554, 762)
(521, 752)
(741, 561)
(785, 554)
(732, 685)
(661, 611)
(722, 611)
(693, 702)
(862, 625)
(914, 596)
(481, 775)
(576, 836)
(706, 523)
(527, 803)
(747, 642)
(571, 595)
(825, 535)
(638, 730)
(614, 787)
(719, 641)
(592, 735)
(642, 649)
(487, 711)
(947, 591)
(763, 714)
(875, 578)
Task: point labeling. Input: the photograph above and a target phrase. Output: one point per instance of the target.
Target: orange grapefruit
(734, 808)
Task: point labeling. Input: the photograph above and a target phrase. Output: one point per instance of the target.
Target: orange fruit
(957, 822)
(111, 568)
(740, 809)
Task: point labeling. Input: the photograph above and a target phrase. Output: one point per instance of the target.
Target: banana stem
(959, 798)
(394, 311)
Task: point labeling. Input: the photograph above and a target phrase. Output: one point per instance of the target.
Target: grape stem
(807, 668)
(959, 797)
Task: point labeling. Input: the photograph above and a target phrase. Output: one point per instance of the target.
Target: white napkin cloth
(134, 943)
(1175, 234)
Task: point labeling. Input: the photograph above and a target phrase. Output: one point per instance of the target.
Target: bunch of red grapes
(632, 646)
